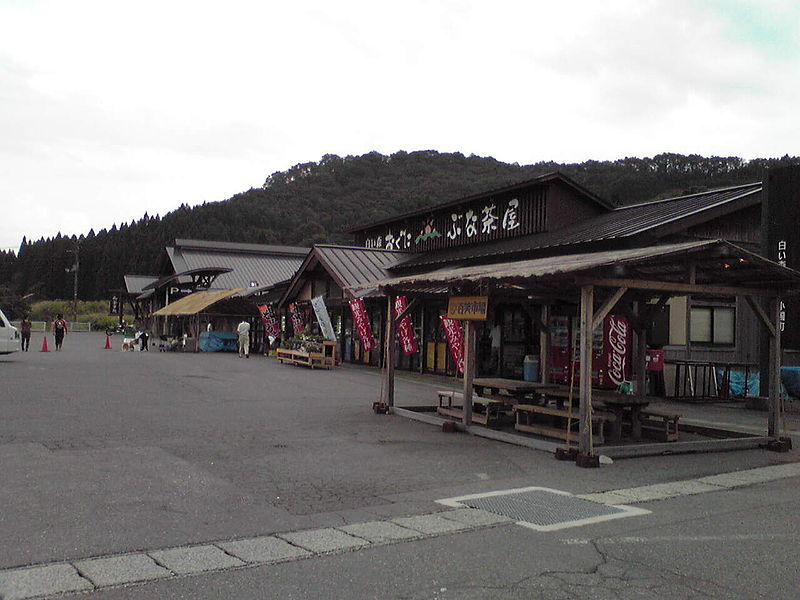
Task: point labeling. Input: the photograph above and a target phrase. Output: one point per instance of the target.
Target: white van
(9, 336)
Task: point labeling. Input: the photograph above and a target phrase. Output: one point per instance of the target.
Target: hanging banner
(405, 331)
(323, 318)
(361, 324)
(298, 323)
(271, 326)
(455, 340)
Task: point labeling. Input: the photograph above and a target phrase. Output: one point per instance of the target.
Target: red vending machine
(611, 353)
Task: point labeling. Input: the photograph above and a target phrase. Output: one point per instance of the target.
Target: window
(713, 325)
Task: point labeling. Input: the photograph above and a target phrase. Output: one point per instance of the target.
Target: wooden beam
(585, 446)
(761, 315)
(677, 287)
(607, 307)
(775, 416)
(409, 308)
(544, 344)
(387, 395)
(470, 347)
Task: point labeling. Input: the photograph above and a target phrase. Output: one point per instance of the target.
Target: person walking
(25, 332)
(59, 330)
(244, 338)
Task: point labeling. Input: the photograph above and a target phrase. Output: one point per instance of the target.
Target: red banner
(269, 320)
(455, 340)
(298, 323)
(361, 324)
(405, 331)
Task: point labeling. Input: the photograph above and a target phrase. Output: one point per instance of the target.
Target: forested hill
(317, 201)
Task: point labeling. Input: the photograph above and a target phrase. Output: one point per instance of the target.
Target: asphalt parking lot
(106, 453)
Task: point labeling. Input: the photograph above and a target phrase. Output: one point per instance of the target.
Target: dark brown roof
(649, 220)
(346, 265)
(542, 179)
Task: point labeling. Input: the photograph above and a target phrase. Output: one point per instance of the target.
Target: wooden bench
(555, 422)
(660, 425)
(484, 410)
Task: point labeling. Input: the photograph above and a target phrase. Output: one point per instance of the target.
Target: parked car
(9, 336)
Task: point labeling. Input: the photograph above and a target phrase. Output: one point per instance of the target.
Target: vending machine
(611, 353)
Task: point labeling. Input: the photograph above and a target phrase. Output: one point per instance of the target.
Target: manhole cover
(543, 509)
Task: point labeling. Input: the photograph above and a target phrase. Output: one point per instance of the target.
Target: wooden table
(490, 387)
(617, 404)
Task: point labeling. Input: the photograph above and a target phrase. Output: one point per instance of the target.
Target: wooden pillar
(775, 416)
(544, 345)
(641, 361)
(470, 346)
(585, 446)
(387, 395)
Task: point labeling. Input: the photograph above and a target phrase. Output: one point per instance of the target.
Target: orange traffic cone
(108, 343)
(44, 344)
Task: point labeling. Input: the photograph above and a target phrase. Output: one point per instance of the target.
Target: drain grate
(543, 509)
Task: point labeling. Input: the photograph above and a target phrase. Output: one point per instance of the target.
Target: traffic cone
(44, 344)
(108, 343)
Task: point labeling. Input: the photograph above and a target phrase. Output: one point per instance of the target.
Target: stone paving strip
(91, 574)
(701, 485)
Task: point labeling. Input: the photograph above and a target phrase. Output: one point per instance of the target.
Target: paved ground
(153, 462)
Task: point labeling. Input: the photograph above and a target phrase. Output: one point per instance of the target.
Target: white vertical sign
(323, 318)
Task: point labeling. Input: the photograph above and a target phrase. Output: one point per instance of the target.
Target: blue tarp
(218, 341)
(790, 382)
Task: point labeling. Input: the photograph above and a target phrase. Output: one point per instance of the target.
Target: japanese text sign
(472, 308)
(405, 330)
(271, 326)
(323, 318)
(361, 324)
(298, 323)
(455, 340)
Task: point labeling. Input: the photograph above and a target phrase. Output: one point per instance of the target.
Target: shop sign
(113, 306)
(405, 330)
(471, 308)
(361, 324)
(298, 323)
(455, 341)
(268, 319)
(323, 318)
(618, 336)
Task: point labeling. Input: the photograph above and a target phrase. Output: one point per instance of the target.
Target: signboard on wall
(468, 308)
(780, 214)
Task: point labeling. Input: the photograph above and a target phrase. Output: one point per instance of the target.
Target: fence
(41, 326)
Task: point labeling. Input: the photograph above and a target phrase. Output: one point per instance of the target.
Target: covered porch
(633, 282)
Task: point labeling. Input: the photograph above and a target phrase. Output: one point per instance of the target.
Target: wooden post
(641, 362)
(469, 369)
(775, 416)
(544, 345)
(387, 396)
(587, 309)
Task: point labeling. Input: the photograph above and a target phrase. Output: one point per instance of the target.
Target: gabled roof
(649, 220)
(346, 265)
(134, 284)
(542, 179)
(251, 265)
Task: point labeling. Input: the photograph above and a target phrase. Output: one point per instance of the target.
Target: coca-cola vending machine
(610, 351)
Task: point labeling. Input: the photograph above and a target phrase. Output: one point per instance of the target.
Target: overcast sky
(112, 109)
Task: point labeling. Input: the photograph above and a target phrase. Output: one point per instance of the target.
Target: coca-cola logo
(618, 341)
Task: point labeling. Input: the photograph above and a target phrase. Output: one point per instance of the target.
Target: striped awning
(194, 303)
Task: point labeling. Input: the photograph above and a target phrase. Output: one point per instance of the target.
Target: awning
(722, 268)
(194, 303)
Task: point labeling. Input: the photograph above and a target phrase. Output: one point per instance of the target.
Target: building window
(713, 325)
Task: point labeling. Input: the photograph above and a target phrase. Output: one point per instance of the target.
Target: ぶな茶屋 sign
(468, 308)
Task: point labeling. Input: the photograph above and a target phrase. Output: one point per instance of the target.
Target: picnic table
(491, 387)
